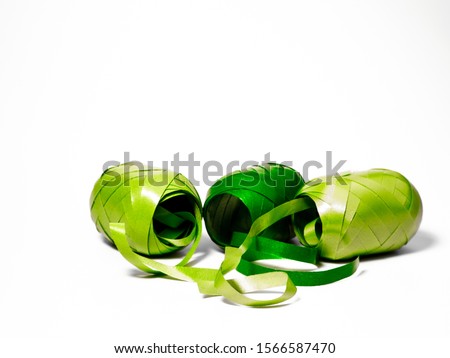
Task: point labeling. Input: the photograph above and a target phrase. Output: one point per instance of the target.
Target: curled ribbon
(253, 215)
(268, 203)
(358, 214)
(149, 212)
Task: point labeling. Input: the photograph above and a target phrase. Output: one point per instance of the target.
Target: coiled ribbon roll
(161, 209)
(235, 201)
(362, 213)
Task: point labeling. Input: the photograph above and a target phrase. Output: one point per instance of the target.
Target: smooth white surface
(82, 82)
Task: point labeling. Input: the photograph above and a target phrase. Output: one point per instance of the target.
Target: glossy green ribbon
(362, 213)
(162, 210)
(263, 196)
(151, 212)
(235, 201)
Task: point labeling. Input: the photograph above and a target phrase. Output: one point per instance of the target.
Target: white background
(83, 81)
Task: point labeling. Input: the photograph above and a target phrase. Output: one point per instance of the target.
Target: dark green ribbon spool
(235, 201)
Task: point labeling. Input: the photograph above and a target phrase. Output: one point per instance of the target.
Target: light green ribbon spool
(364, 213)
(161, 209)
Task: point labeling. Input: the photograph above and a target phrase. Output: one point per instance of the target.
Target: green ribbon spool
(364, 213)
(161, 209)
(235, 201)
